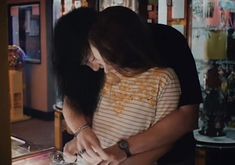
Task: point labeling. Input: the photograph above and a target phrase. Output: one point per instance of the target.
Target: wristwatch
(123, 145)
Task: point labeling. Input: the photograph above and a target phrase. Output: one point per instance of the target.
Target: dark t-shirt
(174, 50)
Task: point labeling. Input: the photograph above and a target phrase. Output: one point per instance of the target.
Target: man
(179, 125)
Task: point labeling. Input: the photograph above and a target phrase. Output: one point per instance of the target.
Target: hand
(70, 151)
(115, 156)
(88, 141)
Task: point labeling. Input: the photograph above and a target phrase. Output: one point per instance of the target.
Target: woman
(77, 84)
(138, 92)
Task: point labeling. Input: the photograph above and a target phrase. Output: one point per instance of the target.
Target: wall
(39, 88)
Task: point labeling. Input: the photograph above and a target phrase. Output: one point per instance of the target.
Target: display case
(213, 25)
(212, 44)
(24, 153)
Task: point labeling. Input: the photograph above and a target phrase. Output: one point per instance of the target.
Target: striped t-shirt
(134, 104)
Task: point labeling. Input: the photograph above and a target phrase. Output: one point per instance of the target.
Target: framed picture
(132, 4)
(24, 30)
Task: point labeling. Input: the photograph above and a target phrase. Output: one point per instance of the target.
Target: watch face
(123, 144)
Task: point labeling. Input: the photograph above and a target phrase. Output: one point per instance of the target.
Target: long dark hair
(70, 41)
(124, 40)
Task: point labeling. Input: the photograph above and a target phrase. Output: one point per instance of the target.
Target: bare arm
(71, 116)
(149, 157)
(166, 131)
(86, 139)
(150, 145)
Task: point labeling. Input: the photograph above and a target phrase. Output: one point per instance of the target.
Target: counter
(24, 153)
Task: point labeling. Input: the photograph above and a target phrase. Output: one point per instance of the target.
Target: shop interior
(32, 122)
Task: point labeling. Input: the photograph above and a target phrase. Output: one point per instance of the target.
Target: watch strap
(123, 145)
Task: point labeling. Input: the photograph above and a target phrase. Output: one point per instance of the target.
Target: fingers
(69, 151)
(69, 158)
(89, 141)
(92, 154)
(100, 152)
(81, 152)
(105, 162)
(89, 159)
(95, 145)
(87, 146)
(89, 155)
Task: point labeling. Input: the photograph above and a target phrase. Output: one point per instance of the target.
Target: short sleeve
(168, 95)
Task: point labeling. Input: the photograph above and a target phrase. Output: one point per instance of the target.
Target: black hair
(124, 40)
(70, 42)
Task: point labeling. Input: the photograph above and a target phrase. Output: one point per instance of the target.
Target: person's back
(173, 47)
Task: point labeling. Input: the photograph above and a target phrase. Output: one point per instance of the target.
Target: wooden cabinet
(16, 95)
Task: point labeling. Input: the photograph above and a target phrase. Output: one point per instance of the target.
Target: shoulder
(164, 73)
